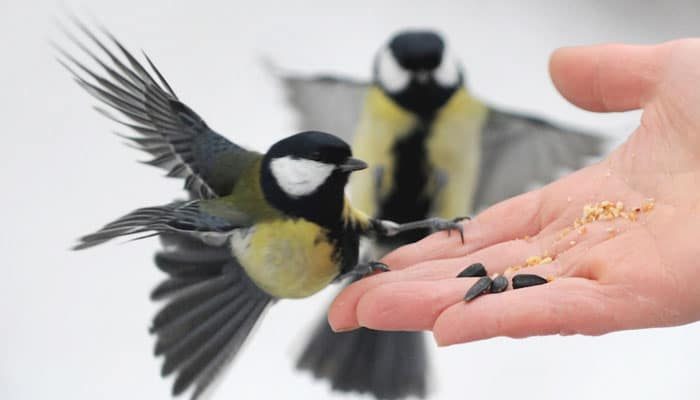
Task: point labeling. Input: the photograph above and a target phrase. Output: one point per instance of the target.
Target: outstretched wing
(180, 141)
(520, 152)
(189, 218)
(211, 308)
(324, 102)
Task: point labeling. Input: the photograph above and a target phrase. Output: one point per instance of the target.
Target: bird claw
(369, 268)
(439, 224)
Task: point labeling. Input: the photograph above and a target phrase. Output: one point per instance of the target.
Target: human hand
(640, 269)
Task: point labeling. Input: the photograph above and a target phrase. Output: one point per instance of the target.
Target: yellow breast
(289, 258)
(453, 148)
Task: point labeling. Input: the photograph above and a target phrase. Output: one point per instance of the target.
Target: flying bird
(256, 228)
(433, 150)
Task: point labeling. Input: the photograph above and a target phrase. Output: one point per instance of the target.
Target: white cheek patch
(390, 74)
(447, 73)
(298, 176)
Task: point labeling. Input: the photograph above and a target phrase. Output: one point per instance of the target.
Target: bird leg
(389, 228)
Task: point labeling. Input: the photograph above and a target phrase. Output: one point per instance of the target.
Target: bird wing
(193, 218)
(323, 102)
(180, 141)
(520, 152)
(211, 308)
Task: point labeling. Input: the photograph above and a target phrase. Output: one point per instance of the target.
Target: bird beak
(352, 164)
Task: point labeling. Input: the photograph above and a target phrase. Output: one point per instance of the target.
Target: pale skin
(617, 274)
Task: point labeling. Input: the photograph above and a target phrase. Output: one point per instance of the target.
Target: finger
(415, 305)
(511, 219)
(409, 306)
(565, 306)
(613, 77)
(546, 210)
(343, 311)
(409, 299)
(496, 258)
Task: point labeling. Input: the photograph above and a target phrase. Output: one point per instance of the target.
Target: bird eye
(316, 156)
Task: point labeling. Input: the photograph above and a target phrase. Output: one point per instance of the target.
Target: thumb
(603, 78)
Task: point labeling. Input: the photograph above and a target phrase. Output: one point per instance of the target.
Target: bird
(255, 228)
(434, 149)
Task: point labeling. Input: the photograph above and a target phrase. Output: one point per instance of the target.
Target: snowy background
(74, 325)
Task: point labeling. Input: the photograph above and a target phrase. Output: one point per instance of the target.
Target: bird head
(308, 166)
(417, 70)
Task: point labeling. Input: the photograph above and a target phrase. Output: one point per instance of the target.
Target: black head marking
(312, 145)
(325, 205)
(420, 53)
(417, 50)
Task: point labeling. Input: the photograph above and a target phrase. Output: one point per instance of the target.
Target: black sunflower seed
(473, 271)
(527, 280)
(500, 283)
(480, 287)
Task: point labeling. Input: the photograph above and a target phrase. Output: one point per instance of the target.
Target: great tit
(433, 150)
(257, 227)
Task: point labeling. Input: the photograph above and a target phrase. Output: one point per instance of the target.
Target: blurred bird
(433, 150)
(257, 227)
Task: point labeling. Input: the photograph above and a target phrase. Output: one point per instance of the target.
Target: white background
(74, 325)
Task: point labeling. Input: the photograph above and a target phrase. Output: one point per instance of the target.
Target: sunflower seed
(527, 280)
(500, 283)
(473, 271)
(480, 287)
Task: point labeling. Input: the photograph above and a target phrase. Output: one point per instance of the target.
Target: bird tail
(388, 365)
(211, 308)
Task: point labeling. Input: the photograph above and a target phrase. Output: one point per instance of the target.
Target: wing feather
(180, 140)
(520, 152)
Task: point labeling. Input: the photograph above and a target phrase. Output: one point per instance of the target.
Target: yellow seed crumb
(534, 260)
(564, 232)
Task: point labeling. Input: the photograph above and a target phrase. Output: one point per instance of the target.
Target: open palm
(632, 262)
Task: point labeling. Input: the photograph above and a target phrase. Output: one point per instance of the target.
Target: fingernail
(342, 329)
(438, 342)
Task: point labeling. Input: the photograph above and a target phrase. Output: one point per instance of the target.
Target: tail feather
(210, 311)
(174, 285)
(389, 365)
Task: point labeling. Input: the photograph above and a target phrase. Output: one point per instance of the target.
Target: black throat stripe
(408, 200)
